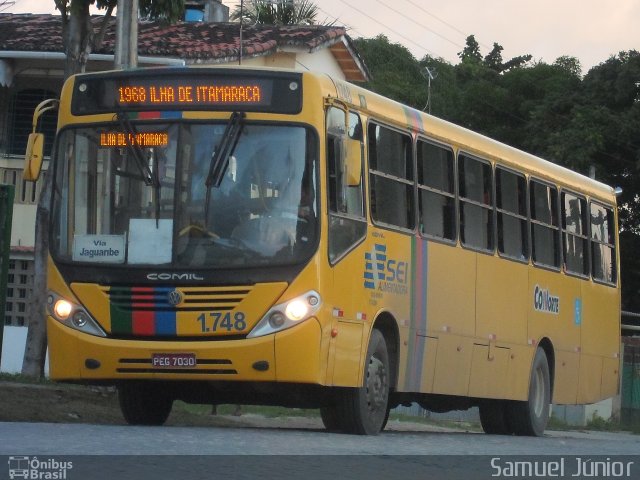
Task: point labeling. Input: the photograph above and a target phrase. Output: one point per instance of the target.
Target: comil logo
(544, 301)
(38, 469)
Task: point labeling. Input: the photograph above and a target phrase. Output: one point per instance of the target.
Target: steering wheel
(199, 230)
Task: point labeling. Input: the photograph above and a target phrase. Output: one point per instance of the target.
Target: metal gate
(630, 414)
(6, 213)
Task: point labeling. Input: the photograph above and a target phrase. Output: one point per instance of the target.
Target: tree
(395, 73)
(277, 12)
(471, 52)
(493, 60)
(80, 38)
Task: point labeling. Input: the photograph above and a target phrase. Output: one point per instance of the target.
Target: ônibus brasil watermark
(33, 468)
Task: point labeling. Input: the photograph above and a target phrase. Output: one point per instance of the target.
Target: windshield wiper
(223, 151)
(220, 158)
(135, 150)
(149, 176)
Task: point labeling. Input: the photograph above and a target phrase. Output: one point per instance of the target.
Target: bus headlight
(296, 310)
(62, 309)
(72, 315)
(286, 315)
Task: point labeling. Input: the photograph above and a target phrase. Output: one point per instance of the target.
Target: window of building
(603, 250)
(19, 285)
(545, 227)
(436, 195)
(575, 239)
(511, 203)
(476, 203)
(23, 104)
(391, 177)
(347, 221)
(24, 192)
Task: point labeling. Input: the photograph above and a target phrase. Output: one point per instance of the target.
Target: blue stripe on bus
(165, 321)
(171, 114)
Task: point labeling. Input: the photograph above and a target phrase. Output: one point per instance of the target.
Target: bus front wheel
(531, 416)
(364, 410)
(144, 403)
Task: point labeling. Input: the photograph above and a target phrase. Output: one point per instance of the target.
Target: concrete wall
(13, 343)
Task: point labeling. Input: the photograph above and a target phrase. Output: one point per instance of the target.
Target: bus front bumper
(292, 355)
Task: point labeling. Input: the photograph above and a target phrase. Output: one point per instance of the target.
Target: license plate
(173, 360)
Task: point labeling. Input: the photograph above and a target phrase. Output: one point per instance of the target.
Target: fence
(630, 392)
(6, 214)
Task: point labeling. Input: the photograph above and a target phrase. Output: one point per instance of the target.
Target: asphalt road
(122, 452)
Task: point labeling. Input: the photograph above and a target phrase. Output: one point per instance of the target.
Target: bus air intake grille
(173, 299)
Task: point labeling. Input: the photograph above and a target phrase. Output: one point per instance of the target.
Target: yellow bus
(255, 236)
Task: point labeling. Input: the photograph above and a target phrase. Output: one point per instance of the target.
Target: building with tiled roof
(32, 69)
(26, 37)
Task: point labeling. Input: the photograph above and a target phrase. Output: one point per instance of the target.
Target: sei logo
(385, 274)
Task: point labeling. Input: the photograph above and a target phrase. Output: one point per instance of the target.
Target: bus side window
(347, 222)
(511, 193)
(544, 224)
(575, 238)
(603, 249)
(476, 203)
(436, 191)
(391, 177)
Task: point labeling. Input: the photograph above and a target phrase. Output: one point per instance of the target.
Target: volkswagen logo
(174, 297)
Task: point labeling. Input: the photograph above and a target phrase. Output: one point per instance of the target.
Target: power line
(422, 47)
(338, 21)
(444, 22)
(419, 24)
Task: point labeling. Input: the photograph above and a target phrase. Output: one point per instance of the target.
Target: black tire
(144, 403)
(493, 417)
(331, 418)
(364, 410)
(530, 417)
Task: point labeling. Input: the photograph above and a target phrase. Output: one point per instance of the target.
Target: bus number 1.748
(217, 321)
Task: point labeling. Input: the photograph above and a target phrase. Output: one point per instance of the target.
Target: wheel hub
(376, 384)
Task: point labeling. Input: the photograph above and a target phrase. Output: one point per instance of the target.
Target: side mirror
(353, 161)
(33, 157)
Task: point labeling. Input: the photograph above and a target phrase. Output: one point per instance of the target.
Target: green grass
(19, 378)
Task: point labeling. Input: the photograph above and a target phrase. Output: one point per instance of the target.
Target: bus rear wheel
(531, 416)
(493, 417)
(144, 403)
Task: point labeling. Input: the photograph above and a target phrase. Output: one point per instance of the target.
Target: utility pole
(126, 54)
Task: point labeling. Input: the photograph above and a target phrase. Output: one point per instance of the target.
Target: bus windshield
(137, 194)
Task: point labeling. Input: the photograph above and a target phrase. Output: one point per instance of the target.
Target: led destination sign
(187, 89)
(188, 94)
(122, 139)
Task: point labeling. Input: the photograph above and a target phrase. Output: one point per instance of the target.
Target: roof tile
(195, 42)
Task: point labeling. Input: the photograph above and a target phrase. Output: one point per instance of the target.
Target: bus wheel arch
(386, 323)
(547, 346)
(531, 416)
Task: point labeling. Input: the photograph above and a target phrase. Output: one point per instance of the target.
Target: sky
(591, 30)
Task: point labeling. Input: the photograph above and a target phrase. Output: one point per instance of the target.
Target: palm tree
(277, 12)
